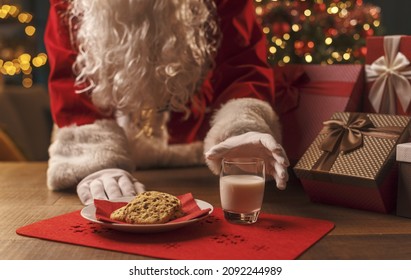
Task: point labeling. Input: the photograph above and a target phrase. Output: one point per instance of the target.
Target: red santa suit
(234, 98)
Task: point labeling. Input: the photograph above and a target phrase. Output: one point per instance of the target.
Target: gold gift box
(351, 162)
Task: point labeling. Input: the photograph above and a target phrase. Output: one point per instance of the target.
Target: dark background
(395, 16)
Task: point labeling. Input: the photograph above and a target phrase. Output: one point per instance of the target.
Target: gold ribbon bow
(345, 136)
(348, 136)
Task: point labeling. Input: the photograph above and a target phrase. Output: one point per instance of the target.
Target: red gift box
(404, 180)
(351, 162)
(307, 95)
(388, 75)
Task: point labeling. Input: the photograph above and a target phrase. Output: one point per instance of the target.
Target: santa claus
(156, 83)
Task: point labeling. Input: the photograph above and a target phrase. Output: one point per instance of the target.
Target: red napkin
(272, 237)
(104, 209)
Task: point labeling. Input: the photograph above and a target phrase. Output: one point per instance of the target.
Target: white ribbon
(390, 74)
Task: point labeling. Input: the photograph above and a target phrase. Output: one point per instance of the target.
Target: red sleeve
(67, 107)
(241, 64)
(241, 69)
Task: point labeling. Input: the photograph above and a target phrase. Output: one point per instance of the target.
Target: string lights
(317, 31)
(15, 60)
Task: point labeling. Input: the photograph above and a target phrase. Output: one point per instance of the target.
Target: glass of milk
(242, 182)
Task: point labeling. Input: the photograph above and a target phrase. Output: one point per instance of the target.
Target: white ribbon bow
(390, 74)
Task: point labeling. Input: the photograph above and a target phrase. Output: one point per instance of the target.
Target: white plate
(89, 213)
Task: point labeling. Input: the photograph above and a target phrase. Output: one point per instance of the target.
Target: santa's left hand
(108, 184)
(254, 144)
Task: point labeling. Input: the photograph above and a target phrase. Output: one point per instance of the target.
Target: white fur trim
(239, 116)
(81, 150)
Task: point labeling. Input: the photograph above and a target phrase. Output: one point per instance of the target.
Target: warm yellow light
(376, 23)
(366, 26)
(347, 56)
(335, 55)
(343, 13)
(25, 17)
(307, 12)
(3, 13)
(286, 36)
(295, 27)
(16, 63)
(30, 30)
(286, 59)
(25, 57)
(259, 10)
(11, 70)
(43, 57)
(328, 41)
(266, 30)
(24, 66)
(37, 61)
(27, 82)
(272, 50)
(6, 8)
(14, 11)
(27, 71)
(308, 58)
(333, 10)
(278, 42)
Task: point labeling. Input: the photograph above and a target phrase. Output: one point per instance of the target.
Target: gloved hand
(108, 184)
(254, 144)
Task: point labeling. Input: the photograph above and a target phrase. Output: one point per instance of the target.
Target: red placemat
(272, 237)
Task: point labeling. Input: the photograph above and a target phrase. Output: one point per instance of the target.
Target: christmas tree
(317, 31)
(17, 45)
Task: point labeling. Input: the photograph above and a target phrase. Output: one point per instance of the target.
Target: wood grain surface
(25, 199)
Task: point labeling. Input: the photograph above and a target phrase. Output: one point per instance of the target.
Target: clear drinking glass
(242, 182)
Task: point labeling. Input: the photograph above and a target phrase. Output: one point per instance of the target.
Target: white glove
(254, 144)
(108, 184)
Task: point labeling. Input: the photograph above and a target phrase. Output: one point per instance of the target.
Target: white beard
(141, 54)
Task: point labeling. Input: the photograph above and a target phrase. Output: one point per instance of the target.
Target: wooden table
(24, 199)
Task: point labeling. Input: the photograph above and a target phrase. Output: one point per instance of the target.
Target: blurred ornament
(280, 28)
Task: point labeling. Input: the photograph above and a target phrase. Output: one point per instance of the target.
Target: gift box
(388, 75)
(351, 163)
(404, 180)
(306, 95)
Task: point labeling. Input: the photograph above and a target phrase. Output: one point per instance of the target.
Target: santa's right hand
(108, 184)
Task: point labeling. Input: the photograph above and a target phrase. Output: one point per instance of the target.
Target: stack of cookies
(150, 207)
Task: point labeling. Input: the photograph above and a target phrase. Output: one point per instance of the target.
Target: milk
(241, 193)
